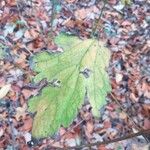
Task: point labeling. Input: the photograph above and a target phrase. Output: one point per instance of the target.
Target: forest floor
(28, 28)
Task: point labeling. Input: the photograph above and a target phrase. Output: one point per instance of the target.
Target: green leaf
(2, 52)
(80, 68)
(126, 2)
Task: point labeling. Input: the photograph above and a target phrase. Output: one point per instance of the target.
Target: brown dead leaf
(11, 2)
(107, 124)
(62, 131)
(2, 81)
(81, 14)
(113, 41)
(90, 127)
(13, 95)
(69, 23)
(126, 23)
(41, 14)
(147, 94)
(113, 2)
(146, 110)
(21, 112)
(31, 34)
(27, 124)
(36, 45)
(145, 86)
(102, 147)
(133, 97)
(145, 89)
(123, 115)
(56, 144)
(27, 93)
(146, 123)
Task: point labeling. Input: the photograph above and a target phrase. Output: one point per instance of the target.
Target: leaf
(79, 68)
(21, 112)
(19, 34)
(126, 2)
(1, 51)
(4, 90)
(118, 77)
(9, 29)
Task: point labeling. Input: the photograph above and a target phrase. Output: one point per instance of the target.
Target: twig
(142, 132)
(52, 16)
(135, 125)
(11, 128)
(20, 15)
(69, 130)
(65, 6)
(112, 95)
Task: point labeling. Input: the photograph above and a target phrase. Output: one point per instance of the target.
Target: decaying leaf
(80, 68)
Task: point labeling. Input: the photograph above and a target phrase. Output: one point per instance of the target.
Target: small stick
(136, 126)
(132, 135)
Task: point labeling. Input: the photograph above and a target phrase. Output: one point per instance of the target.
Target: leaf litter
(126, 25)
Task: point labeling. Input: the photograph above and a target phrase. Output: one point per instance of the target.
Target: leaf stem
(100, 15)
(52, 16)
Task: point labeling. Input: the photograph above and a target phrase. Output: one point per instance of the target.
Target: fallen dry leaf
(27, 136)
(27, 93)
(31, 34)
(4, 90)
(27, 124)
(1, 132)
(119, 77)
(133, 97)
(126, 23)
(102, 147)
(89, 127)
(146, 123)
(81, 13)
(123, 115)
(21, 112)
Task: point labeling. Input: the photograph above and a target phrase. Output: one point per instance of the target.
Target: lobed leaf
(80, 68)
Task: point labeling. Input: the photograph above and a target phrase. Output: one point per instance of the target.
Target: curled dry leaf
(4, 90)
